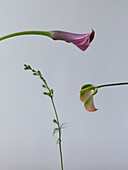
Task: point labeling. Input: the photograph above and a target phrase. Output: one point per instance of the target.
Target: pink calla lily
(82, 41)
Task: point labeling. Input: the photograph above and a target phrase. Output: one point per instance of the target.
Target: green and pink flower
(86, 96)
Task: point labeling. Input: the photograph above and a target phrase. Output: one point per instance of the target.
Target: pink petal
(82, 41)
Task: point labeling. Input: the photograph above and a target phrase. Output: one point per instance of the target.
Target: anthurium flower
(86, 96)
(82, 41)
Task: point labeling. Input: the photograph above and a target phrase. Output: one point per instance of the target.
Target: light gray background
(92, 141)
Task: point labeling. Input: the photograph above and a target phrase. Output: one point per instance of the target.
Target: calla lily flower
(86, 96)
(88, 91)
(82, 41)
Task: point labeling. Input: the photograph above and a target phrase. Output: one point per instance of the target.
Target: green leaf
(46, 93)
(27, 67)
(86, 96)
(43, 86)
(55, 131)
(33, 70)
(35, 74)
(63, 125)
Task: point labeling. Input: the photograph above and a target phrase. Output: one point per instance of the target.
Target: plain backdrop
(91, 141)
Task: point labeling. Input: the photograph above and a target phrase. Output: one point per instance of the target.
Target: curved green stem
(44, 33)
(114, 84)
(103, 85)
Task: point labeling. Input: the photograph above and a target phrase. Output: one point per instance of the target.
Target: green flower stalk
(88, 91)
(44, 33)
(49, 93)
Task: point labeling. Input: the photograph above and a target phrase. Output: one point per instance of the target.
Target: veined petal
(82, 41)
(82, 44)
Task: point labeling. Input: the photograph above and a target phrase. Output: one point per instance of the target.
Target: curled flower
(86, 96)
(82, 41)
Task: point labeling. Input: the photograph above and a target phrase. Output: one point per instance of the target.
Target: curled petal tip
(92, 35)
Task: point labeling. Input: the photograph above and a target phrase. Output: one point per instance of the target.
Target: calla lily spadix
(82, 41)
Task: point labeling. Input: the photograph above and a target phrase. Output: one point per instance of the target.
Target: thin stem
(60, 149)
(57, 118)
(61, 157)
(45, 33)
(114, 84)
(58, 123)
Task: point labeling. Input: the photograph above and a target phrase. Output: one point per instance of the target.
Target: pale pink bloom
(82, 41)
